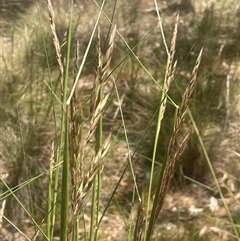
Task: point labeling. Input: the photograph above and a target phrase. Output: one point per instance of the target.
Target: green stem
(64, 133)
(157, 133)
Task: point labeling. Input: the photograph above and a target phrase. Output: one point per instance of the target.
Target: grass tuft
(106, 133)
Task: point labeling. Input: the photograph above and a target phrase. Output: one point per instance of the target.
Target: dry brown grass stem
(181, 111)
(140, 223)
(75, 133)
(171, 68)
(55, 37)
(76, 151)
(96, 116)
(169, 172)
(2, 212)
(172, 155)
(95, 166)
(103, 62)
(188, 93)
(107, 57)
(77, 197)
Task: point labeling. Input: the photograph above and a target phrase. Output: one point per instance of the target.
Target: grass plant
(90, 141)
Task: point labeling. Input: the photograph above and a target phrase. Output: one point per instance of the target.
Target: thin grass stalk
(65, 132)
(76, 157)
(130, 157)
(97, 97)
(161, 27)
(234, 226)
(116, 202)
(78, 153)
(50, 225)
(60, 141)
(25, 163)
(64, 122)
(23, 184)
(97, 181)
(18, 230)
(24, 209)
(169, 76)
(65, 183)
(103, 68)
(28, 55)
(55, 195)
(157, 133)
(86, 53)
(130, 227)
(170, 160)
(113, 193)
(103, 62)
(130, 163)
(52, 196)
(53, 96)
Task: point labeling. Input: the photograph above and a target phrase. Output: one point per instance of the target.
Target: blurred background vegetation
(29, 114)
